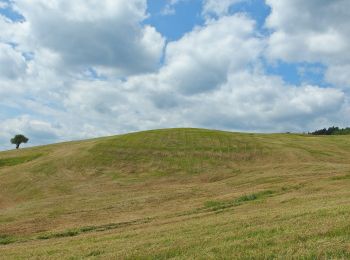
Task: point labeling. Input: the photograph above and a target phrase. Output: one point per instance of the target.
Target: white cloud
(339, 75)
(242, 97)
(255, 102)
(13, 32)
(104, 34)
(12, 63)
(218, 8)
(202, 59)
(169, 8)
(312, 31)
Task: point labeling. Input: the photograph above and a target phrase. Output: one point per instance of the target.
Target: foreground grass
(179, 193)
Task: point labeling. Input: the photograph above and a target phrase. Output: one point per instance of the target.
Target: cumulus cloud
(202, 59)
(339, 75)
(12, 63)
(183, 92)
(256, 102)
(104, 34)
(298, 35)
(13, 32)
(312, 31)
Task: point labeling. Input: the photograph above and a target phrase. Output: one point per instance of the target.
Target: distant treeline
(332, 131)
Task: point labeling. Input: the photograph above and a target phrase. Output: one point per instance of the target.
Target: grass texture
(178, 194)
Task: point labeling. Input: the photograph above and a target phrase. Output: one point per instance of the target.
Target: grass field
(178, 194)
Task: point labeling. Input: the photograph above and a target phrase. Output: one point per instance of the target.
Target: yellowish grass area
(180, 194)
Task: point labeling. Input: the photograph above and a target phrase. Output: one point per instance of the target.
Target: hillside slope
(178, 193)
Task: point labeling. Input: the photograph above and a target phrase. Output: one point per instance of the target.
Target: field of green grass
(178, 194)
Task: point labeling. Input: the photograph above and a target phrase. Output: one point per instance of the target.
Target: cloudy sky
(86, 68)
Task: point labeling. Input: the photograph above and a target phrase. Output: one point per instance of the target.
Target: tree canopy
(332, 131)
(18, 140)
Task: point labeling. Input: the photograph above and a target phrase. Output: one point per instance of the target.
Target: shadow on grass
(220, 205)
(78, 231)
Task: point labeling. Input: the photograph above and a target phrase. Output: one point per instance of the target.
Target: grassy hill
(178, 193)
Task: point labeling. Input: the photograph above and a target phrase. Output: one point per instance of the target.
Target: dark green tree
(18, 140)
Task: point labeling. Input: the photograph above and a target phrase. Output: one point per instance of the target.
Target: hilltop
(178, 193)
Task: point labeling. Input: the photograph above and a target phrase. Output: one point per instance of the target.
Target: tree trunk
(17, 146)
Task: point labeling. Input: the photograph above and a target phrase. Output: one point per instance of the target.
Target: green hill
(178, 193)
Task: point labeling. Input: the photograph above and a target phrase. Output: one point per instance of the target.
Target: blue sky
(174, 26)
(75, 70)
(9, 12)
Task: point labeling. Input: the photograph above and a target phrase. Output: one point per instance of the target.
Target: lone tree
(18, 140)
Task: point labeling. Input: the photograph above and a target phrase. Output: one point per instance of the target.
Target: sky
(72, 70)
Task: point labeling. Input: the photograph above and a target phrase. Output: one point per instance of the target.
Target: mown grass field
(178, 194)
